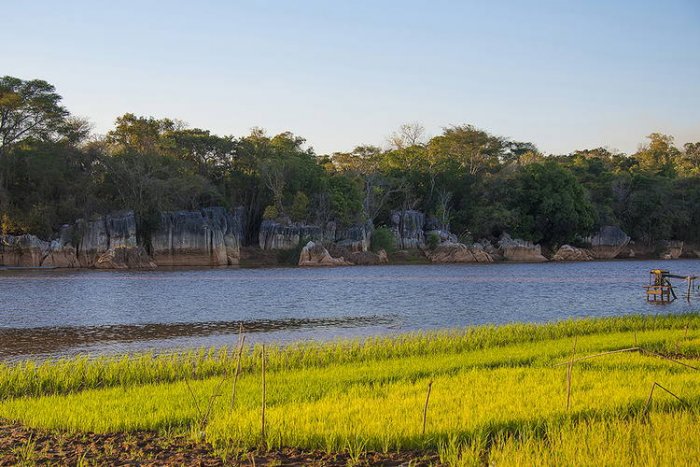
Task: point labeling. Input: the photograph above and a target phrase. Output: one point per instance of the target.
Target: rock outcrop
(407, 227)
(672, 249)
(356, 238)
(449, 252)
(101, 234)
(368, 258)
(274, 235)
(62, 253)
(125, 258)
(314, 254)
(25, 251)
(516, 249)
(210, 237)
(609, 242)
(571, 253)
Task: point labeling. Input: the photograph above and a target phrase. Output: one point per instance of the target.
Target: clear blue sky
(562, 74)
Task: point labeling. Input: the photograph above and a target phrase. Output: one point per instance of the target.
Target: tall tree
(28, 109)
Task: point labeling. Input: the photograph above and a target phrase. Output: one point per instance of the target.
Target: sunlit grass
(496, 393)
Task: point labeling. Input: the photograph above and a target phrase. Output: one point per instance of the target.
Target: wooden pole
(568, 374)
(264, 395)
(425, 408)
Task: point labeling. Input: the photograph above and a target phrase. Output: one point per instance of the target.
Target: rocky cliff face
(210, 237)
(449, 252)
(62, 253)
(571, 253)
(672, 249)
(609, 242)
(277, 236)
(22, 251)
(407, 227)
(516, 249)
(116, 231)
(314, 254)
(356, 238)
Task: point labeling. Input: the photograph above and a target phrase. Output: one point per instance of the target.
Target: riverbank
(497, 394)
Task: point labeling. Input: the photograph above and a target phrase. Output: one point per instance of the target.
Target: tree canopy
(466, 179)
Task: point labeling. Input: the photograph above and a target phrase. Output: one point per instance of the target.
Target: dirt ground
(20, 445)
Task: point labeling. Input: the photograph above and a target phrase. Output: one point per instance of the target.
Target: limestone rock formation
(609, 242)
(210, 237)
(571, 253)
(485, 245)
(515, 249)
(672, 249)
(125, 258)
(314, 254)
(22, 250)
(278, 236)
(449, 252)
(407, 227)
(62, 253)
(355, 237)
(368, 258)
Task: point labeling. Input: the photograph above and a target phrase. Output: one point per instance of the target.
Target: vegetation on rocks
(54, 170)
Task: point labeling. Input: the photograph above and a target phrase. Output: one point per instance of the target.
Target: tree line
(53, 170)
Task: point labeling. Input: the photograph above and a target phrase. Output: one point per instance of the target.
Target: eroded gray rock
(516, 249)
(407, 227)
(314, 254)
(609, 242)
(571, 253)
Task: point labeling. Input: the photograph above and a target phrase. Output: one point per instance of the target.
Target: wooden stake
(264, 395)
(425, 409)
(568, 375)
(241, 343)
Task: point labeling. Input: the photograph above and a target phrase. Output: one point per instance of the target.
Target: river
(55, 313)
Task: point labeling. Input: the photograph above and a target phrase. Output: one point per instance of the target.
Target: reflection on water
(61, 340)
(55, 313)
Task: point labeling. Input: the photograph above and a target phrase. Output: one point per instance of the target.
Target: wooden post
(425, 408)
(690, 286)
(264, 394)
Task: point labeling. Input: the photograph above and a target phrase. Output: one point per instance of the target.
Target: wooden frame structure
(660, 290)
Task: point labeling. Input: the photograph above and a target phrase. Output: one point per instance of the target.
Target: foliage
(300, 207)
(553, 205)
(433, 240)
(270, 213)
(383, 239)
(496, 392)
(54, 171)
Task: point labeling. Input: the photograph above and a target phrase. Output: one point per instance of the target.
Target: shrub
(270, 213)
(433, 240)
(300, 207)
(383, 239)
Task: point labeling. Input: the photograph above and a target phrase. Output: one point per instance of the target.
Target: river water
(54, 313)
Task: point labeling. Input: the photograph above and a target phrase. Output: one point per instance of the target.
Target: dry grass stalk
(425, 408)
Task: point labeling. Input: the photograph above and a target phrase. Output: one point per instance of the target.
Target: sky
(564, 75)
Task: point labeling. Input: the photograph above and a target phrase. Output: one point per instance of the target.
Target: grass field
(502, 395)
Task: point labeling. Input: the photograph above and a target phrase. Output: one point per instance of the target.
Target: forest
(55, 169)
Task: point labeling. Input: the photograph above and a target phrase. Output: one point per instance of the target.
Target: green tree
(659, 156)
(553, 205)
(28, 110)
